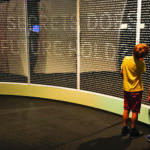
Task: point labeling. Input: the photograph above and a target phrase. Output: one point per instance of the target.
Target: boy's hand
(121, 73)
(148, 99)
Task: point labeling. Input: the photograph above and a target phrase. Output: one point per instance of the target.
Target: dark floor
(40, 124)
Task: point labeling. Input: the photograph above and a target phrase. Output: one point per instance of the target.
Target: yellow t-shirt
(132, 74)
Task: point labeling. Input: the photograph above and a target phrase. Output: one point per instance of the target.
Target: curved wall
(100, 101)
(71, 50)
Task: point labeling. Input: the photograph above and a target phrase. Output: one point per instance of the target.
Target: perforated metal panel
(108, 31)
(13, 43)
(49, 53)
(145, 38)
(56, 39)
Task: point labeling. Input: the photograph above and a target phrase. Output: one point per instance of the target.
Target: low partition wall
(91, 99)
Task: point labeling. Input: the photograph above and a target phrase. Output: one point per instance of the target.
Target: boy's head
(140, 51)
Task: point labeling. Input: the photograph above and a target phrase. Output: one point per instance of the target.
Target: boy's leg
(125, 129)
(125, 117)
(134, 119)
(127, 108)
(136, 99)
(134, 131)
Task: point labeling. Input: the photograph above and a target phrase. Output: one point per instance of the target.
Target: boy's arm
(122, 65)
(144, 67)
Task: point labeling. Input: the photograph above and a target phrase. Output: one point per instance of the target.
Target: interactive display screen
(35, 28)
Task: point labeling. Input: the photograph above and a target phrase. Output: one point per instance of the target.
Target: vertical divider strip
(138, 21)
(78, 44)
(27, 47)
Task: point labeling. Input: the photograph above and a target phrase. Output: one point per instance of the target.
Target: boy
(131, 70)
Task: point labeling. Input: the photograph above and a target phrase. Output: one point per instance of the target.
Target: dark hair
(140, 51)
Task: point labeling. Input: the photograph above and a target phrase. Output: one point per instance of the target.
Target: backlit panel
(108, 33)
(55, 44)
(38, 42)
(13, 42)
(145, 38)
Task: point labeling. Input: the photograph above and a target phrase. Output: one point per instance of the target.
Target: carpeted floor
(40, 124)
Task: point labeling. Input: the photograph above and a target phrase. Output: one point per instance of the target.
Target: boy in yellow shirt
(131, 70)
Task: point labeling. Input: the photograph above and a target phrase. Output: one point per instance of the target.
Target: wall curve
(91, 99)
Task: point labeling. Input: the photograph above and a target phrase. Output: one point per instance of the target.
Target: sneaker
(125, 131)
(148, 138)
(134, 133)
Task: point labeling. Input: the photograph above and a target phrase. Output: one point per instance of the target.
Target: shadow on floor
(114, 142)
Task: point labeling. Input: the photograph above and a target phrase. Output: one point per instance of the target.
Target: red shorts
(132, 101)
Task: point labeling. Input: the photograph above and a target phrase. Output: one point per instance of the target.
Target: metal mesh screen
(48, 54)
(108, 31)
(55, 59)
(144, 38)
(13, 42)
